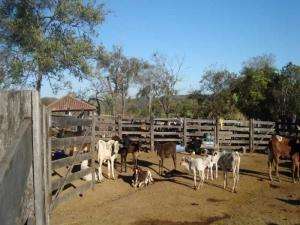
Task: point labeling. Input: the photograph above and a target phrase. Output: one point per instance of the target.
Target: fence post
(38, 161)
(152, 134)
(120, 126)
(93, 150)
(251, 135)
(184, 132)
(217, 130)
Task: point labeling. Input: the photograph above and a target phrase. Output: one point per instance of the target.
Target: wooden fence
(67, 181)
(228, 134)
(23, 159)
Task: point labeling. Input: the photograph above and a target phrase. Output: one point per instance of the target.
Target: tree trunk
(38, 84)
(150, 106)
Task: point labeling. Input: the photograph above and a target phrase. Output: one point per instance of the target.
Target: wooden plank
(167, 133)
(67, 196)
(268, 130)
(207, 128)
(167, 139)
(136, 133)
(167, 127)
(224, 147)
(184, 132)
(38, 150)
(189, 127)
(15, 168)
(211, 121)
(234, 141)
(261, 142)
(167, 119)
(135, 126)
(14, 107)
(120, 127)
(263, 122)
(251, 134)
(234, 128)
(72, 177)
(151, 134)
(69, 160)
(59, 143)
(67, 121)
(46, 161)
(262, 135)
(240, 136)
(93, 147)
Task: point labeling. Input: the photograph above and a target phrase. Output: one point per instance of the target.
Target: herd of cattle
(228, 161)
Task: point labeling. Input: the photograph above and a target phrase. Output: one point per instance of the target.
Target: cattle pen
(28, 147)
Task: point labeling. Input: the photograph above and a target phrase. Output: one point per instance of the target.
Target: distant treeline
(259, 91)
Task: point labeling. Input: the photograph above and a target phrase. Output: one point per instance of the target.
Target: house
(69, 105)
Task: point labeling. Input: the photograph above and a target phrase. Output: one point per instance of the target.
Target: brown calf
(281, 148)
(165, 150)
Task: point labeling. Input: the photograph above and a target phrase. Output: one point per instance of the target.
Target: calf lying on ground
(196, 165)
(141, 177)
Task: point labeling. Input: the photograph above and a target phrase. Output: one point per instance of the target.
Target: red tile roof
(68, 103)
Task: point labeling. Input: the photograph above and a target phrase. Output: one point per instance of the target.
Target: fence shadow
(290, 201)
(254, 173)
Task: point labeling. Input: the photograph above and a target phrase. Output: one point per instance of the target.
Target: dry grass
(173, 201)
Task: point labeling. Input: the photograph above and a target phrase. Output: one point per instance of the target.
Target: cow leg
(195, 178)
(100, 176)
(270, 163)
(122, 161)
(298, 168)
(225, 179)
(293, 170)
(108, 168)
(174, 160)
(125, 162)
(216, 165)
(112, 169)
(159, 167)
(277, 168)
(234, 180)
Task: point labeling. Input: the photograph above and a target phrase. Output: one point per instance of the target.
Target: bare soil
(171, 200)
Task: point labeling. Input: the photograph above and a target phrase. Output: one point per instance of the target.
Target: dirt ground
(173, 201)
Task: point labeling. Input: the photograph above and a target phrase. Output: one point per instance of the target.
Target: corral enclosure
(60, 178)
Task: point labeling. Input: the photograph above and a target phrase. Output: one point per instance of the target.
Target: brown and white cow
(282, 148)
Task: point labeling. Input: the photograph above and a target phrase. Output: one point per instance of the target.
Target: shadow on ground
(290, 201)
(206, 221)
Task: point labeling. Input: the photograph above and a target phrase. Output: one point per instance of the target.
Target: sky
(205, 33)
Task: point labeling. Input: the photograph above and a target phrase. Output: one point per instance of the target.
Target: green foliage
(45, 39)
(252, 87)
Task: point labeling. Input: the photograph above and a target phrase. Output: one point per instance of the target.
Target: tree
(120, 72)
(45, 40)
(252, 87)
(284, 93)
(158, 82)
(216, 97)
(97, 91)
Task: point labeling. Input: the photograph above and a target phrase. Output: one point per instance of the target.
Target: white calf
(84, 165)
(107, 151)
(214, 158)
(196, 165)
(230, 161)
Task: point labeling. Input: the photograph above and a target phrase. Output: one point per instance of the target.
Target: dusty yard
(172, 201)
